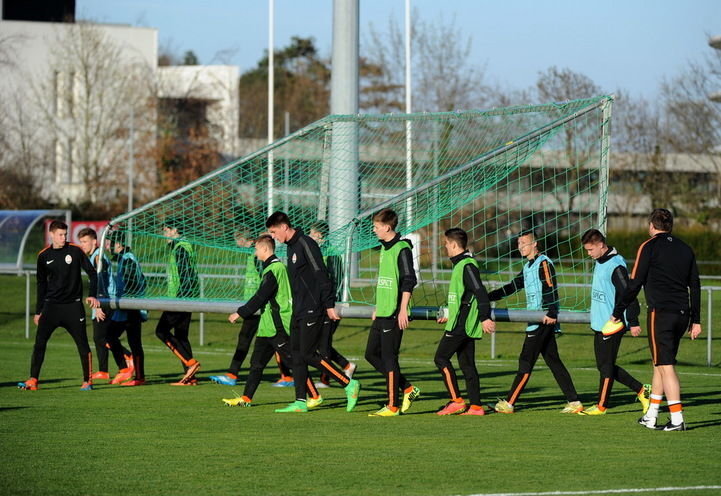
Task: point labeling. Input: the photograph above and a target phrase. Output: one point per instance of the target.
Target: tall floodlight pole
(343, 206)
(271, 84)
(131, 171)
(409, 129)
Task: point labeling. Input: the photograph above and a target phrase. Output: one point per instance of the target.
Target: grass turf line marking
(603, 491)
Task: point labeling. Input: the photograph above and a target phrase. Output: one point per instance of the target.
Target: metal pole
(709, 326)
(286, 166)
(271, 85)
(493, 346)
(409, 128)
(603, 165)
(344, 183)
(202, 314)
(27, 305)
(131, 175)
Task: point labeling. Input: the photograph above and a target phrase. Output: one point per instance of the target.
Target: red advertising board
(76, 227)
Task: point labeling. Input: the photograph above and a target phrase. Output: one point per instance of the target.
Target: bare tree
(693, 124)
(444, 76)
(86, 101)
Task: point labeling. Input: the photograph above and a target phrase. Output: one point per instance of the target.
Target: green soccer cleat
(296, 407)
(385, 412)
(503, 407)
(314, 402)
(645, 397)
(573, 407)
(351, 393)
(594, 410)
(409, 398)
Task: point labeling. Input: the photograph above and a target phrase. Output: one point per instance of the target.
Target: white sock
(652, 412)
(677, 416)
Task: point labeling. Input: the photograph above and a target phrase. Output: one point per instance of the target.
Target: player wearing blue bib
(538, 279)
(610, 280)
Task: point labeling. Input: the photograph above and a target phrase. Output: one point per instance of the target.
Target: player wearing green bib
(183, 282)
(538, 279)
(273, 299)
(610, 280)
(469, 316)
(251, 281)
(396, 280)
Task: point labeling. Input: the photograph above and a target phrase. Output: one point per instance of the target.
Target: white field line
(605, 491)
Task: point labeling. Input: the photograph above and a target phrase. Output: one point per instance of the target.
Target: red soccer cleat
(134, 382)
(29, 385)
(452, 408)
(100, 375)
(122, 376)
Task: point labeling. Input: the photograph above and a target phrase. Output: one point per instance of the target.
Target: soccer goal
(493, 173)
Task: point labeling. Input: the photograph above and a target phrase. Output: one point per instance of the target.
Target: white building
(85, 94)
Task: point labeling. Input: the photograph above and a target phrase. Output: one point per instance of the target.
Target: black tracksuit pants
(263, 351)
(326, 343)
(542, 341)
(177, 341)
(458, 343)
(305, 340)
(132, 328)
(245, 337)
(382, 349)
(70, 316)
(606, 349)
(101, 334)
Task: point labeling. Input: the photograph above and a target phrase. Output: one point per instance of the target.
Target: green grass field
(158, 439)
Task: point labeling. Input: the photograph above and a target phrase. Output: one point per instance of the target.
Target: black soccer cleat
(674, 427)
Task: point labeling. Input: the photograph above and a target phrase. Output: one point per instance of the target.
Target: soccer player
(396, 280)
(538, 278)
(469, 316)
(313, 299)
(319, 231)
(101, 317)
(129, 282)
(666, 268)
(183, 282)
(610, 280)
(59, 295)
(247, 331)
(273, 299)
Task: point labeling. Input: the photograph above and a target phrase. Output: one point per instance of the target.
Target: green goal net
(492, 173)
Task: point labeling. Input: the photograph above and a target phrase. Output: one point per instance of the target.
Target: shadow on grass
(5, 408)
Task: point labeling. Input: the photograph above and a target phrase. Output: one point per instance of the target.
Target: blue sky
(629, 44)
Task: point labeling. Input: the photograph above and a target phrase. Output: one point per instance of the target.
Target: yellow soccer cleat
(573, 407)
(314, 402)
(594, 410)
(385, 412)
(409, 398)
(645, 397)
(243, 401)
(503, 407)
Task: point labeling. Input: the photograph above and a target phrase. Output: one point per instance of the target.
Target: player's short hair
(593, 236)
(457, 235)
(267, 240)
(321, 226)
(388, 217)
(173, 223)
(527, 232)
(88, 232)
(661, 219)
(278, 218)
(57, 224)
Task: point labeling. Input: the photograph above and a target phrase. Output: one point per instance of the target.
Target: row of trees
(109, 94)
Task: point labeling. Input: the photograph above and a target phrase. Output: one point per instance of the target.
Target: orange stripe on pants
(177, 354)
(90, 366)
(311, 389)
(449, 383)
(602, 400)
(341, 377)
(391, 389)
(518, 389)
